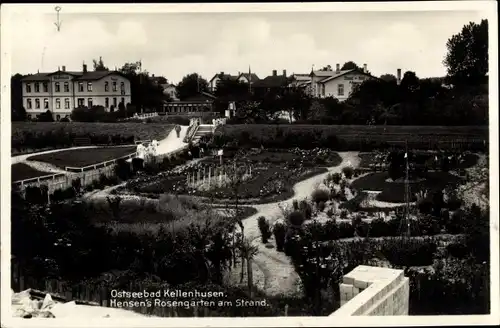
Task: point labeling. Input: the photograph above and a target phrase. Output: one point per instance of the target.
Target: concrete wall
(375, 291)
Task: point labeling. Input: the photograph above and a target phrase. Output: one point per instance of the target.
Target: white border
(489, 8)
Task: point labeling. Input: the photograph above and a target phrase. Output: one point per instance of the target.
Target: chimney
(398, 76)
(275, 72)
(84, 68)
(365, 68)
(284, 72)
(64, 68)
(152, 75)
(337, 68)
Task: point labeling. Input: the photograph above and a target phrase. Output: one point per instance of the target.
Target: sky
(176, 44)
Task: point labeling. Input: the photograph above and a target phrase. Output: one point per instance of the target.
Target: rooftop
(82, 76)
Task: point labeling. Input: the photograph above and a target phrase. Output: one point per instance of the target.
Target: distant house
(212, 84)
(194, 106)
(62, 91)
(170, 90)
(250, 78)
(273, 82)
(337, 83)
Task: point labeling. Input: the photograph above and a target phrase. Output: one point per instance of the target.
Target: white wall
(347, 81)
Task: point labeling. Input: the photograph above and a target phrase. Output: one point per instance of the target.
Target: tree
(467, 57)
(18, 113)
(145, 93)
(316, 111)
(99, 65)
(326, 68)
(388, 78)
(46, 117)
(349, 65)
(191, 85)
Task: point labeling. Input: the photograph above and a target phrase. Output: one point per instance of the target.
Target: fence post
(286, 310)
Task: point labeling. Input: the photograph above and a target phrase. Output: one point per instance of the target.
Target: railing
(194, 124)
(38, 179)
(99, 165)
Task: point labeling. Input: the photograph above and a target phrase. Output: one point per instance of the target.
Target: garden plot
(256, 176)
(83, 157)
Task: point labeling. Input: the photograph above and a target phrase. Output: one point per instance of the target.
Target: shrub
(295, 205)
(279, 231)
(429, 226)
(123, 170)
(424, 206)
(458, 250)
(331, 230)
(348, 172)
(76, 184)
(265, 229)
(345, 230)
(336, 178)
(379, 228)
(410, 252)
(320, 195)
(296, 218)
(306, 208)
(321, 206)
(454, 203)
(456, 223)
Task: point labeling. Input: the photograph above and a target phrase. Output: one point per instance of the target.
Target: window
(28, 103)
(122, 86)
(81, 102)
(37, 103)
(340, 90)
(89, 86)
(80, 86)
(114, 101)
(45, 87)
(28, 87)
(89, 101)
(46, 103)
(58, 103)
(57, 87)
(106, 102)
(123, 101)
(58, 117)
(37, 87)
(66, 86)
(106, 86)
(114, 86)
(66, 103)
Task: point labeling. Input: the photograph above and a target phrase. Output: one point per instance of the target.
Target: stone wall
(368, 290)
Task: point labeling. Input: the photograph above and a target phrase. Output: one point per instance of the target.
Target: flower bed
(83, 157)
(273, 176)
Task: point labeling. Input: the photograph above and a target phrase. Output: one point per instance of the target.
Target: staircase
(203, 130)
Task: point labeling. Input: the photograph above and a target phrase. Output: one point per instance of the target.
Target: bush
(336, 178)
(295, 205)
(265, 229)
(348, 172)
(429, 226)
(77, 185)
(123, 170)
(296, 218)
(321, 206)
(306, 208)
(279, 231)
(412, 252)
(320, 195)
(458, 250)
(424, 206)
(345, 230)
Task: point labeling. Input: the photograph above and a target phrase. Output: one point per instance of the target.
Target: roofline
(328, 79)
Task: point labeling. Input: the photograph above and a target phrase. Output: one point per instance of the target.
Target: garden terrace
(21, 171)
(342, 137)
(273, 175)
(83, 157)
(30, 136)
(394, 192)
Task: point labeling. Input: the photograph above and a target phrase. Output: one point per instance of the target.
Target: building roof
(224, 77)
(272, 81)
(344, 72)
(301, 77)
(250, 77)
(81, 76)
(201, 97)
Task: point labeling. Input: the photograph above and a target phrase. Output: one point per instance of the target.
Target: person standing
(139, 159)
(178, 130)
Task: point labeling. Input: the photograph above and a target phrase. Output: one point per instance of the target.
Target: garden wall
(374, 291)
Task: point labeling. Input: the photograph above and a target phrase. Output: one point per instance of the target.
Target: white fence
(99, 165)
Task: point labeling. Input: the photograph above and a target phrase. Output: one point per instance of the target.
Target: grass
(83, 157)
(368, 159)
(21, 171)
(394, 191)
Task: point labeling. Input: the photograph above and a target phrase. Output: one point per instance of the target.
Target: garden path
(282, 278)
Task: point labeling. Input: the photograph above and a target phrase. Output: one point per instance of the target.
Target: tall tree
(191, 85)
(388, 78)
(349, 65)
(99, 65)
(18, 113)
(467, 57)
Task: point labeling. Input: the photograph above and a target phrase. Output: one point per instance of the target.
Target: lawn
(369, 159)
(395, 191)
(40, 135)
(83, 157)
(21, 171)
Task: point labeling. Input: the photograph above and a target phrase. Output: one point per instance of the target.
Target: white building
(62, 91)
(336, 83)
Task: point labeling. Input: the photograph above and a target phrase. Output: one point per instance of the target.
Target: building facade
(170, 90)
(195, 106)
(337, 83)
(62, 91)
